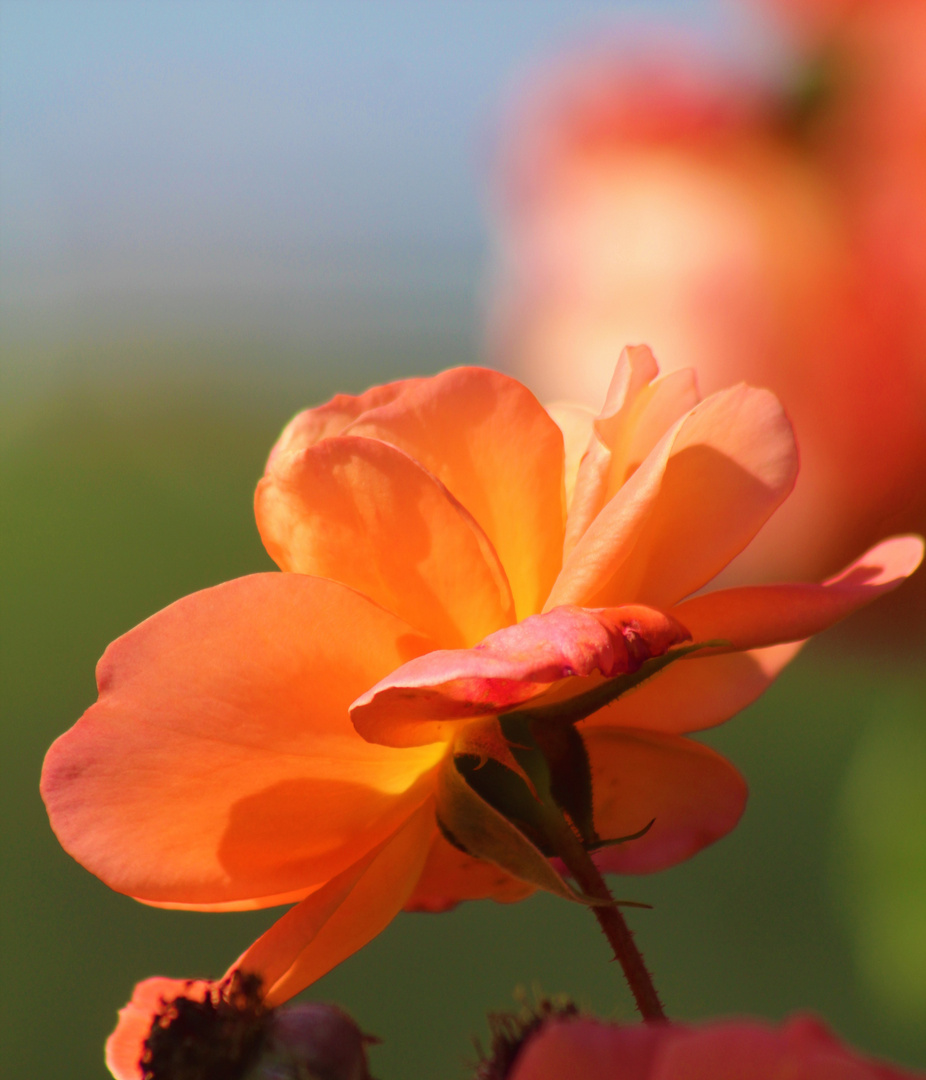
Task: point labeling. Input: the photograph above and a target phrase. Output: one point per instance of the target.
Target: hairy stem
(579, 863)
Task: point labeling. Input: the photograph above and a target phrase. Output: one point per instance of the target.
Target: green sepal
(599, 844)
(553, 755)
(470, 822)
(500, 810)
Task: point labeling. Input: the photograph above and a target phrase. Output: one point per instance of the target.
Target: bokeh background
(214, 214)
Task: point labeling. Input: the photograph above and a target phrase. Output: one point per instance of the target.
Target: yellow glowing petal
(220, 764)
(361, 512)
(488, 439)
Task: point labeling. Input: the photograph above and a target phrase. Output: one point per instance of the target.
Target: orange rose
(453, 568)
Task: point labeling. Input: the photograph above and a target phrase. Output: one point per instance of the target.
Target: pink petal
(752, 1050)
(422, 701)
(692, 795)
(738, 1049)
(586, 1049)
(704, 690)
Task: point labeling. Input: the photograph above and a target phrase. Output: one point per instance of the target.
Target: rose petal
(576, 422)
(308, 941)
(639, 409)
(366, 514)
(451, 876)
(635, 370)
(489, 440)
(586, 1049)
(751, 1050)
(698, 693)
(220, 764)
(251, 903)
(693, 504)
(325, 421)
(317, 934)
(704, 690)
(735, 1051)
(768, 614)
(422, 701)
(692, 795)
(742, 1049)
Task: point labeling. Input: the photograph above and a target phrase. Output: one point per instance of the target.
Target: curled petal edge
(756, 616)
(423, 700)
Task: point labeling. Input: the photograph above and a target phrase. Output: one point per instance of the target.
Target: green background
(120, 495)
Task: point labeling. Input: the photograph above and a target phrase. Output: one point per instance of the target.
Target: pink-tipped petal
(703, 690)
(764, 615)
(220, 764)
(363, 513)
(488, 439)
(422, 701)
(692, 795)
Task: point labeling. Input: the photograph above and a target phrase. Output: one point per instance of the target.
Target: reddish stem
(587, 876)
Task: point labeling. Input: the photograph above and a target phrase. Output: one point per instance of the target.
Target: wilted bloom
(802, 1049)
(455, 573)
(199, 1030)
(770, 233)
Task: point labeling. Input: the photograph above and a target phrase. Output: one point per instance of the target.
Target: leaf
(599, 844)
(553, 754)
(469, 821)
(485, 740)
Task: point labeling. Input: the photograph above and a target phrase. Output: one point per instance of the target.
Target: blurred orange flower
(775, 234)
(451, 554)
(802, 1049)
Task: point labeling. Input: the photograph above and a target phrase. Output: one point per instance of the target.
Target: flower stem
(579, 863)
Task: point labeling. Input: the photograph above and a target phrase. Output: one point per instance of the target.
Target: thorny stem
(579, 863)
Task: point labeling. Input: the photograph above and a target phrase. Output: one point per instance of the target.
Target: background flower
(802, 1049)
(759, 231)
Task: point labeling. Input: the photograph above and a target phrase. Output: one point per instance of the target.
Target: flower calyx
(513, 783)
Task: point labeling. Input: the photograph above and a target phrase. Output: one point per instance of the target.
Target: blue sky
(195, 161)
